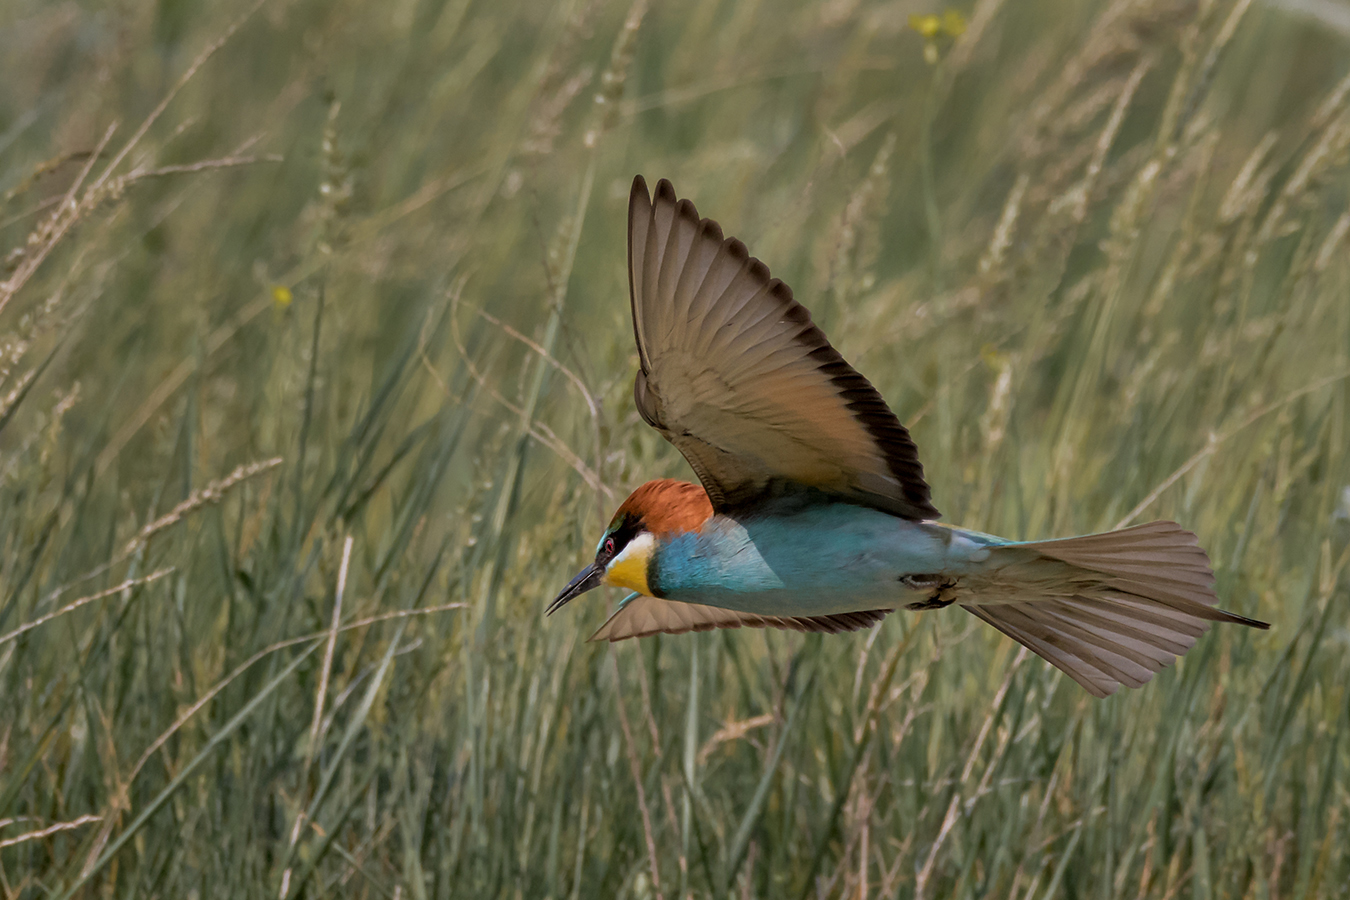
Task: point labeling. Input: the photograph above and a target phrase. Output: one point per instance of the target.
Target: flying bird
(812, 512)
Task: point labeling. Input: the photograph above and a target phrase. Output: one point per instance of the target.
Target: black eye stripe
(619, 536)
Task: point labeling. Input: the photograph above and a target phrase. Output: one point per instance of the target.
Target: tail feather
(1143, 646)
(1117, 608)
(1098, 677)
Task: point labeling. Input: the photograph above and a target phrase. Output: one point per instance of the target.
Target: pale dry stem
(49, 830)
(84, 601)
(212, 493)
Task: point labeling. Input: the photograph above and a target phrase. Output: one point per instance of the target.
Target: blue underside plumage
(811, 560)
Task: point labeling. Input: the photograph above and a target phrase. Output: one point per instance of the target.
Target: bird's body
(813, 513)
(812, 559)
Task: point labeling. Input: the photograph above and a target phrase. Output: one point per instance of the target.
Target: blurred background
(315, 388)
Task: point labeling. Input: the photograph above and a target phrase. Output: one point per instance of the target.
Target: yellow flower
(950, 25)
(930, 26)
(282, 296)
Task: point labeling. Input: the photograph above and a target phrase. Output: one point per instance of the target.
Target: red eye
(609, 545)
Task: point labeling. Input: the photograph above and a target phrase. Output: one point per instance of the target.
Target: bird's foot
(940, 590)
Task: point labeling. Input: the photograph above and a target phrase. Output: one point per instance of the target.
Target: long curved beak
(587, 579)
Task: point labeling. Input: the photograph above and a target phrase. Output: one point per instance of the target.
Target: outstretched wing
(736, 376)
(641, 616)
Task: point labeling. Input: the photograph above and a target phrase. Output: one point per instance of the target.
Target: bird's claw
(941, 591)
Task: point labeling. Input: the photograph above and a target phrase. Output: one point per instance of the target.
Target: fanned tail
(1107, 609)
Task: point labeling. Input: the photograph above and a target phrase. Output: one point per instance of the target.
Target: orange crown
(667, 506)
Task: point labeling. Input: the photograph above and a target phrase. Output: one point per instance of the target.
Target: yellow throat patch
(629, 568)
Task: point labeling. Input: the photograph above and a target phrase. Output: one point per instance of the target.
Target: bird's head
(652, 515)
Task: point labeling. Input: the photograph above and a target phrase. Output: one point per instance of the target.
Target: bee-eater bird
(813, 512)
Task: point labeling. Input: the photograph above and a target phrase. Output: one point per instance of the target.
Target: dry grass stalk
(48, 831)
(212, 493)
(126, 585)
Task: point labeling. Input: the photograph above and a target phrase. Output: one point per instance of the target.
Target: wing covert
(735, 374)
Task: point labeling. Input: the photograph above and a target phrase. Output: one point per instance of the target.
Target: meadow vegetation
(315, 387)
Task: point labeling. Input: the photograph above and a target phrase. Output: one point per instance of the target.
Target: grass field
(315, 387)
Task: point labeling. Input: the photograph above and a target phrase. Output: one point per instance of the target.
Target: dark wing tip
(639, 192)
(685, 210)
(793, 312)
(835, 624)
(875, 415)
(738, 251)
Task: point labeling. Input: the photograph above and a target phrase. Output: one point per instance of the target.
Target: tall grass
(315, 388)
